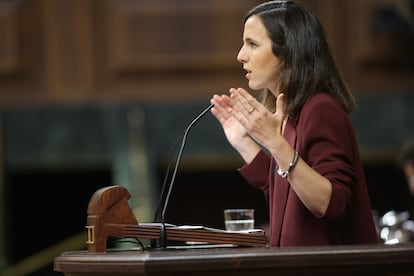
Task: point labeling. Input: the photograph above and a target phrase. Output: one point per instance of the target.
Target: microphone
(163, 231)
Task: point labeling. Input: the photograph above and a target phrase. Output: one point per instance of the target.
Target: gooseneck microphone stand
(163, 230)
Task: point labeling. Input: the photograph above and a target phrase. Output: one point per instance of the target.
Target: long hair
(308, 67)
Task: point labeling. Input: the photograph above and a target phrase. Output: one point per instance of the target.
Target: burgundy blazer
(323, 136)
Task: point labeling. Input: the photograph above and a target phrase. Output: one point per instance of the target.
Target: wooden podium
(109, 215)
(255, 261)
(230, 253)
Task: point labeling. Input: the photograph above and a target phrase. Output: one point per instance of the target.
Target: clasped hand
(243, 117)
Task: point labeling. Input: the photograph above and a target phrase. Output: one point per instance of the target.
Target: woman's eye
(253, 45)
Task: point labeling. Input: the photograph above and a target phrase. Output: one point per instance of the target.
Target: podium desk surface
(334, 260)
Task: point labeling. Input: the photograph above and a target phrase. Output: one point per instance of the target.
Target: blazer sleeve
(257, 172)
(328, 146)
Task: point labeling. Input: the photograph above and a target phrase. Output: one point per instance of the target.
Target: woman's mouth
(248, 74)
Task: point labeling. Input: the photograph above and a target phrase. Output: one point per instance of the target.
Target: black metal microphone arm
(163, 232)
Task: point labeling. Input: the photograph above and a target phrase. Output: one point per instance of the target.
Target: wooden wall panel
(9, 60)
(117, 51)
(166, 50)
(174, 36)
(21, 79)
(68, 48)
(382, 58)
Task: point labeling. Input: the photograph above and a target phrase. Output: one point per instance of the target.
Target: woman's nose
(241, 56)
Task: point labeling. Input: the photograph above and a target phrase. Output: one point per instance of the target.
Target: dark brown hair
(299, 41)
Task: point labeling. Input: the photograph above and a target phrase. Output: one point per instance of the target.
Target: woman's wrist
(283, 153)
(285, 173)
(248, 149)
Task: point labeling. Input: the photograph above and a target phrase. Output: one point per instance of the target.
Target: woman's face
(256, 54)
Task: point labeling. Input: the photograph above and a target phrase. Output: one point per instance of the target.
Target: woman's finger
(280, 106)
(242, 101)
